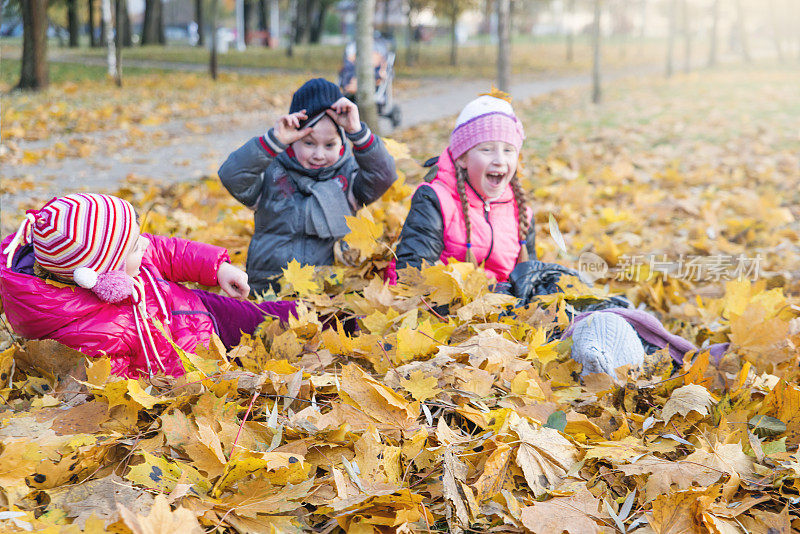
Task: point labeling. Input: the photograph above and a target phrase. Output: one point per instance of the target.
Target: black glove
(532, 278)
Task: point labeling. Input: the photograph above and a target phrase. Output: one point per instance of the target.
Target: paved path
(178, 153)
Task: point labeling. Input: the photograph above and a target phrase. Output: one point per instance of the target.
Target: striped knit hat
(82, 230)
(486, 118)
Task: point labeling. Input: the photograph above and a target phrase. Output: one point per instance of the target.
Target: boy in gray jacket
(302, 178)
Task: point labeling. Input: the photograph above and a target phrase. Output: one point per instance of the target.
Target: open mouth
(495, 178)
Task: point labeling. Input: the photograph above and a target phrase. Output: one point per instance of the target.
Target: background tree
(570, 32)
(111, 53)
(741, 30)
(673, 23)
(119, 24)
(413, 34)
(73, 23)
(596, 38)
(212, 58)
(687, 37)
(712, 49)
(151, 25)
(93, 41)
(34, 69)
(451, 10)
(199, 19)
(365, 68)
(504, 45)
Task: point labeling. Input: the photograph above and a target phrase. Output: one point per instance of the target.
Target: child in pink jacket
(79, 272)
(475, 208)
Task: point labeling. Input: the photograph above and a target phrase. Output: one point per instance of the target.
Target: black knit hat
(315, 96)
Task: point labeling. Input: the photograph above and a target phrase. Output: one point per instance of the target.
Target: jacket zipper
(486, 207)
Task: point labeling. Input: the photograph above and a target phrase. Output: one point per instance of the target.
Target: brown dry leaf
(575, 514)
(663, 474)
(544, 456)
(688, 398)
(161, 519)
(678, 512)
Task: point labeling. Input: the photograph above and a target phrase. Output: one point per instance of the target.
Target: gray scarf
(328, 205)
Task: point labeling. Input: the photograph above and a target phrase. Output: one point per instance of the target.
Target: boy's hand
(345, 114)
(287, 129)
(233, 281)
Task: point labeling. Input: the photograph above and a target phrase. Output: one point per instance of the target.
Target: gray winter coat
(299, 213)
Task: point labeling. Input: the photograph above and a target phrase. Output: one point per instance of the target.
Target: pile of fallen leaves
(438, 405)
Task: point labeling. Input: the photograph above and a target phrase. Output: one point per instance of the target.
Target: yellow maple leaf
(420, 386)
(364, 233)
(397, 150)
(497, 93)
(301, 278)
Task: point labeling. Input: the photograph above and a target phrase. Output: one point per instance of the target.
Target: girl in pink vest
(79, 272)
(475, 208)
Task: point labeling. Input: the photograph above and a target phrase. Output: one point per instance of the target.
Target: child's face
(490, 167)
(321, 147)
(136, 250)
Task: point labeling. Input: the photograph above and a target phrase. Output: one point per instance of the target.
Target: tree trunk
(504, 45)
(385, 24)
(104, 24)
(292, 27)
(149, 24)
(118, 24)
(274, 23)
(212, 61)
(162, 34)
(73, 24)
(318, 24)
(570, 32)
(263, 9)
(34, 72)
(365, 70)
(776, 31)
(596, 89)
(111, 54)
(673, 15)
(643, 25)
(742, 31)
(199, 19)
(712, 51)
(126, 25)
(453, 36)
(248, 21)
(92, 37)
(687, 38)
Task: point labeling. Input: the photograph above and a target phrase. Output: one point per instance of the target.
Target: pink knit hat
(486, 118)
(84, 238)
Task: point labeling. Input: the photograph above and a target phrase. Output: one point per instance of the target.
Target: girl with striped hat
(78, 271)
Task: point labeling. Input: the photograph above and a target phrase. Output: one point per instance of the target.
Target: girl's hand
(287, 129)
(233, 281)
(345, 114)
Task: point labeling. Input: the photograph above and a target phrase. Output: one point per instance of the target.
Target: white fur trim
(85, 277)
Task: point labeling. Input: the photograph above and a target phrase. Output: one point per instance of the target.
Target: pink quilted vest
(495, 225)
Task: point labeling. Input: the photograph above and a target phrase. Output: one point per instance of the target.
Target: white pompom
(85, 277)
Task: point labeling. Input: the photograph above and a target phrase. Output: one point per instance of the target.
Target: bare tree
(742, 32)
(118, 25)
(199, 19)
(111, 53)
(596, 88)
(212, 61)
(93, 42)
(452, 9)
(673, 23)
(150, 30)
(712, 51)
(365, 68)
(687, 38)
(34, 72)
(73, 24)
(504, 45)
(571, 32)
(776, 31)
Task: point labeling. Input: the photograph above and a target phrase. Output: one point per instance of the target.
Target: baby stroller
(383, 59)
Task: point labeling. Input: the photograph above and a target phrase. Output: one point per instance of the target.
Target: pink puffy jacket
(75, 316)
(495, 224)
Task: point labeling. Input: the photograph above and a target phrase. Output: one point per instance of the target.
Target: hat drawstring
(140, 318)
(19, 238)
(159, 297)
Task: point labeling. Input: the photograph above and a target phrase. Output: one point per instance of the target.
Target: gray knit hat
(604, 341)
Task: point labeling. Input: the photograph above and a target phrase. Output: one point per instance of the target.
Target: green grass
(474, 60)
(64, 72)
